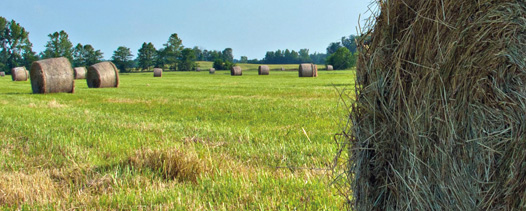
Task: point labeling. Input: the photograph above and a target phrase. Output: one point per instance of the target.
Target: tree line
(16, 50)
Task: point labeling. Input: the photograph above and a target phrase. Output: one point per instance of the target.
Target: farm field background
(188, 140)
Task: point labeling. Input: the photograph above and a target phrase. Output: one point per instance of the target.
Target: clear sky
(249, 27)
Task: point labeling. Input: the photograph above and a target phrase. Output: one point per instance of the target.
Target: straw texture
(263, 70)
(236, 71)
(157, 72)
(19, 74)
(80, 72)
(439, 117)
(308, 70)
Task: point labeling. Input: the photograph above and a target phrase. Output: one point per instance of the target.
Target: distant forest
(16, 50)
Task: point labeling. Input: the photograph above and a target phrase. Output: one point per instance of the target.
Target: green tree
(349, 43)
(243, 59)
(304, 56)
(228, 55)
(15, 47)
(147, 56)
(187, 60)
(333, 47)
(172, 50)
(342, 59)
(122, 58)
(86, 55)
(58, 46)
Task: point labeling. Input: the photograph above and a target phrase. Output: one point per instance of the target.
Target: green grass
(241, 140)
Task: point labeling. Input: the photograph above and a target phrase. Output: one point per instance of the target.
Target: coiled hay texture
(308, 70)
(236, 71)
(263, 70)
(52, 76)
(157, 72)
(19, 74)
(439, 118)
(102, 75)
(80, 72)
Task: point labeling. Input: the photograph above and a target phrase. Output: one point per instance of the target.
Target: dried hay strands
(438, 115)
(263, 70)
(80, 72)
(308, 70)
(102, 75)
(157, 72)
(52, 76)
(19, 74)
(212, 70)
(236, 71)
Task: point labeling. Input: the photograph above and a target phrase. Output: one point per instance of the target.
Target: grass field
(186, 141)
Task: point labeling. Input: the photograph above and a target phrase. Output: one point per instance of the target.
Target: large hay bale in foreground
(102, 75)
(157, 72)
(212, 70)
(263, 70)
(19, 74)
(236, 71)
(308, 70)
(52, 76)
(439, 120)
(330, 67)
(80, 72)
(2, 74)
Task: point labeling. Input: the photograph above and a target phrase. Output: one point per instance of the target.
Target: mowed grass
(186, 141)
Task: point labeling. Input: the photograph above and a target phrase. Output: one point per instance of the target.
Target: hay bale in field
(282, 69)
(102, 75)
(80, 72)
(308, 70)
(212, 70)
(263, 70)
(157, 72)
(198, 69)
(330, 67)
(236, 71)
(19, 74)
(439, 116)
(2, 74)
(52, 76)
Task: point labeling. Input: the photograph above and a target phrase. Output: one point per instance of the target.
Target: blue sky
(249, 27)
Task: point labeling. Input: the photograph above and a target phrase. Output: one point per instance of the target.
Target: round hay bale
(157, 72)
(212, 70)
(103, 75)
(308, 70)
(2, 74)
(80, 72)
(282, 69)
(198, 69)
(19, 74)
(263, 70)
(437, 116)
(236, 71)
(52, 76)
(330, 67)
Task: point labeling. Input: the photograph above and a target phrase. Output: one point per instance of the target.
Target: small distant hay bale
(2, 74)
(157, 72)
(102, 75)
(19, 74)
(282, 69)
(236, 71)
(52, 76)
(212, 70)
(330, 67)
(308, 70)
(80, 72)
(263, 70)
(198, 69)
